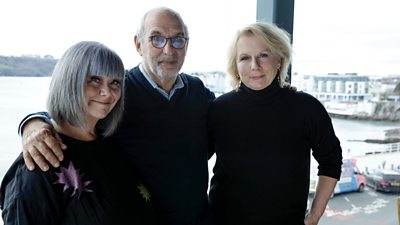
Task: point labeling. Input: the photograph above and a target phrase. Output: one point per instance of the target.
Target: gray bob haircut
(66, 100)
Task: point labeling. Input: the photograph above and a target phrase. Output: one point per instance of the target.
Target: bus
(351, 178)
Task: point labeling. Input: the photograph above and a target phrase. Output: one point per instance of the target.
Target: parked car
(351, 178)
(384, 180)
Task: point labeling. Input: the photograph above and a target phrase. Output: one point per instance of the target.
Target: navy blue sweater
(166, 141)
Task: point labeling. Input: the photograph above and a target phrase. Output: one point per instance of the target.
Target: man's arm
(41, 144)
(323, 193)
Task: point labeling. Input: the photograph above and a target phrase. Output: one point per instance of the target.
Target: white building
(335, 87)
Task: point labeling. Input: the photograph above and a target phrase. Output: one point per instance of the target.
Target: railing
(387, 148)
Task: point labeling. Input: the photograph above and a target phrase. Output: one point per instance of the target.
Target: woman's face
(102, 93)
(256, 65)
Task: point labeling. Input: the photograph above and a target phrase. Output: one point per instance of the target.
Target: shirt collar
(178, 83)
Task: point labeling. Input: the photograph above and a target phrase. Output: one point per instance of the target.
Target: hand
(41, 144)
(311, 219)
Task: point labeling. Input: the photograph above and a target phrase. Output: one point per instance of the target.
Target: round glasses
(159, 41)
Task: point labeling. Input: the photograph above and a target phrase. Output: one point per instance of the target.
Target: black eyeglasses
(159, 41)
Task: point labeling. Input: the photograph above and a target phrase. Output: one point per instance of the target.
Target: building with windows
(350, 95)
(346, 95)
(334, 87)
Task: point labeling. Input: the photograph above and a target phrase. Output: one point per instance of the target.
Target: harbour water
(18, 97)
(22, 95)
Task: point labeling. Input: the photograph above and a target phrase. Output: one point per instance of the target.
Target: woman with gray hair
(263, 133)
(91, 186)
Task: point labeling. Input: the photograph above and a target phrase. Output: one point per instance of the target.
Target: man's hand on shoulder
(41, 145)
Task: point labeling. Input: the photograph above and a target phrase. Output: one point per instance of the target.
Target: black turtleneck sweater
(262, 140)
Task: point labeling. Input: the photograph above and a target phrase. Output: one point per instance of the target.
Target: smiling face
(256, 65)
(102, 94)
(162, 64)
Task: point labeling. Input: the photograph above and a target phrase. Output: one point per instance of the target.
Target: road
(367, 208)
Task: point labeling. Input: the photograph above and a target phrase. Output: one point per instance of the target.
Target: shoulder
(196, 84)
(29, 197)
(132, 71)
(301, 97)
(134, 75)
(304, 104)
(226, 97)
(23, 185)
(224, 102)
(186, 78)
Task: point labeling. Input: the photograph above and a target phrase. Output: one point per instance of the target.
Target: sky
(49, 27)
(347, 36)
(343, 36)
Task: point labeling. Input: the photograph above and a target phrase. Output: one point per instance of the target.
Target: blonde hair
(278, 41)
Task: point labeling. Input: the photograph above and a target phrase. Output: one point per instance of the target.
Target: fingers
(62, 145)
(53, 146)
(42, 147)
(33, 156)
(45, 149)
(28, 160)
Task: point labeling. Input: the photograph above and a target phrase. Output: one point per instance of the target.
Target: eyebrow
(156, 32)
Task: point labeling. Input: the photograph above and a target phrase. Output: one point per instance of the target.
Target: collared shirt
(178, 84)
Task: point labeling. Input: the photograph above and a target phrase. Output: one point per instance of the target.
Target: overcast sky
(329, 35)
(49, 27)
(347, 36)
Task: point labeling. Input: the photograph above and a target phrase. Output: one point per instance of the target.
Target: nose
(254, 64)
(168, 49)
(105, 90)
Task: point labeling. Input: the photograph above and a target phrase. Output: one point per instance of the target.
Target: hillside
(30, 66)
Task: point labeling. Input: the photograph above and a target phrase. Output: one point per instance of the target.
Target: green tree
(26, 65)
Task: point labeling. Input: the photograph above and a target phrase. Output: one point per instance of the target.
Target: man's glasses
(159, 41)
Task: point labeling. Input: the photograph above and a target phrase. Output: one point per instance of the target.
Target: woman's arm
(324, 191)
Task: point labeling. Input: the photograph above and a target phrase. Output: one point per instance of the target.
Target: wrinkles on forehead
(164, 22)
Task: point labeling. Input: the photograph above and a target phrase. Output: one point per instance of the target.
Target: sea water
(22, 95)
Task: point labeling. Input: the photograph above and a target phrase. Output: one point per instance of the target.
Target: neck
(164, 81)
(83, 134)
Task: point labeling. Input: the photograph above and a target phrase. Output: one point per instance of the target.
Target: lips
(168, 62)
(102, 103)
(257, 77)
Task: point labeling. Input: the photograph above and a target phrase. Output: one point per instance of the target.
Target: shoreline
(362, 118)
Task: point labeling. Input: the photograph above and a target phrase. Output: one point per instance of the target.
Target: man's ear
(138, 45)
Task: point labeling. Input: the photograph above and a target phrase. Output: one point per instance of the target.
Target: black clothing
(262, 141)
(93, 185)
(166, 141)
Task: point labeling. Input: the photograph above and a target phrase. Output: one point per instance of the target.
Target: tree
(26, 65)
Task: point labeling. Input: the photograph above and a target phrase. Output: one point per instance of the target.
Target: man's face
(162, 63)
